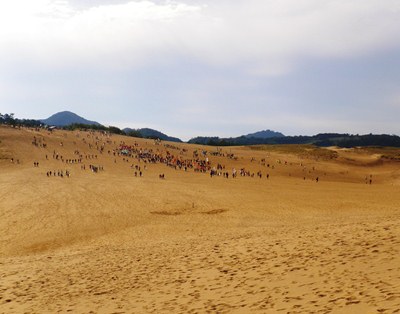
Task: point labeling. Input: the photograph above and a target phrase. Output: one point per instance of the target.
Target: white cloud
(56, 34)
(264, 37)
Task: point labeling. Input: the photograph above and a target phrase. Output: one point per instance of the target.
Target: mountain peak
(64, 118)
(265, 134)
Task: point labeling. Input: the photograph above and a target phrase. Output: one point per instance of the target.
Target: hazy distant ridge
(265, 134)
(66, 118)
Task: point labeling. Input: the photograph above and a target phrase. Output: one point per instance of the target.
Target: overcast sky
(211, 67)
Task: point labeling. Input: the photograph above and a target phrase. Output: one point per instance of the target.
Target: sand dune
(113, 242)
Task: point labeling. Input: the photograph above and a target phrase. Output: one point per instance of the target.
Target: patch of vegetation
(93, 127)
(388, 153)
(151, 134)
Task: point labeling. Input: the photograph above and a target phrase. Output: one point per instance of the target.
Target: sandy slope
(110, 242)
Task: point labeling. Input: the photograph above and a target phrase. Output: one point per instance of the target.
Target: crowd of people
(58, 173)
(172, 156)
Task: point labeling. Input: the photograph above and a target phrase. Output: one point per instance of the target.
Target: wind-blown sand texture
(113, 242)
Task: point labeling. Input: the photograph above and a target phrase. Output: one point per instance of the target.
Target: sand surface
(113, 242)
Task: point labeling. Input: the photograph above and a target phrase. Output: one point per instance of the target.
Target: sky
(205, 67)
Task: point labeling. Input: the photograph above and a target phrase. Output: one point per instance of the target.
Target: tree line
(9, 119)
(322, 140)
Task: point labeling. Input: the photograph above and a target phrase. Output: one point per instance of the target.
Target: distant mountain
(265, 134)
(72, 120)
(66, 118)
(249, 139)
(150, 133)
